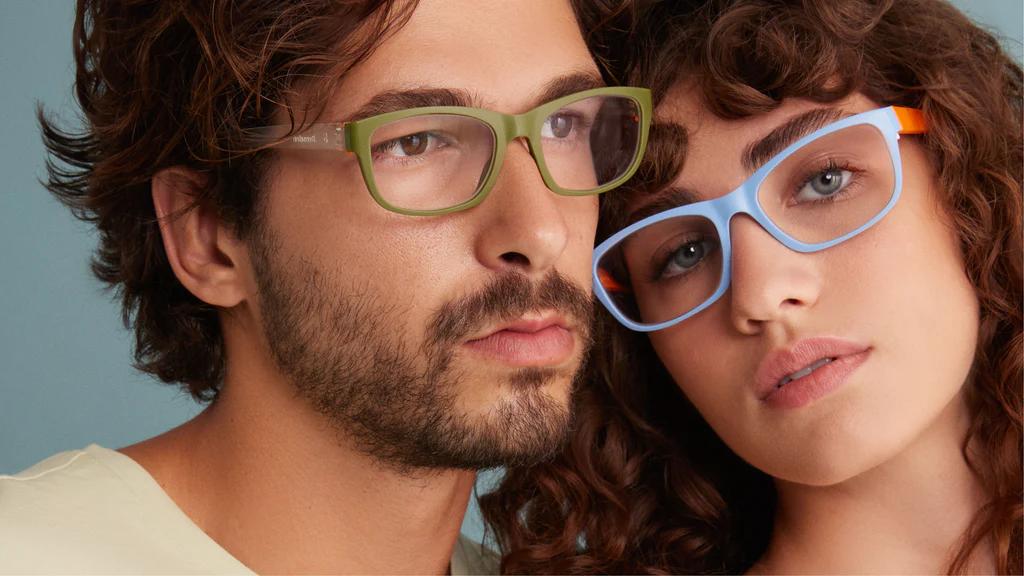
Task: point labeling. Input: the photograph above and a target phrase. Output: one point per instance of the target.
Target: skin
(275, 482)
(870, 476)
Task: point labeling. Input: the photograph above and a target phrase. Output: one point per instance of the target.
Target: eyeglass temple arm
(609, 282)
(316, 137)
(912, 120)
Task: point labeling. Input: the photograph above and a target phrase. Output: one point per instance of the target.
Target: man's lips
(807, 370)
(534, 342)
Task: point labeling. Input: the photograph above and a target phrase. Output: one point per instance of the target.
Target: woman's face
(885, 322)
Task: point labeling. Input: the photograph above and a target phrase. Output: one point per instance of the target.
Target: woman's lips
(811, 368)
(527, 344)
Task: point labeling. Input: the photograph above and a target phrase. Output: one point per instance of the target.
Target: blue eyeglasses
(823, 189)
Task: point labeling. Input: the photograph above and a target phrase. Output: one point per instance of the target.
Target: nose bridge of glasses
(517, 127)
(742, 200)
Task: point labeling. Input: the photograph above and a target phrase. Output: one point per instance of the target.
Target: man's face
(443, 341)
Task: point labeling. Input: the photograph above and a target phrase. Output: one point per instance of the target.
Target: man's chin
(526, 421)
(528, 428)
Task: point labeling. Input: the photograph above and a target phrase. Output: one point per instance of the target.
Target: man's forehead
(489, 53)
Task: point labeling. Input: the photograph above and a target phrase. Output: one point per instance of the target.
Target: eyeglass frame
(354, 138)
(891, 122)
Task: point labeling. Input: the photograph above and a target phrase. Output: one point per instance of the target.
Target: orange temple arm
(610, 284)
(911, 120)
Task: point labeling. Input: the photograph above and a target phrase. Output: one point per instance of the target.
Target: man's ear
(204, 252)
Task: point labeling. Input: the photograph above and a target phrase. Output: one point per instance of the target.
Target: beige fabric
(95, 511)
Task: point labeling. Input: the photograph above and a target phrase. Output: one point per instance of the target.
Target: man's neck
(276, 486)
(905, 516)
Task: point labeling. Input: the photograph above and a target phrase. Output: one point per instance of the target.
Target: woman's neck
(907, 515)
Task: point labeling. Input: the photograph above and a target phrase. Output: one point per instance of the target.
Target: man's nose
(525, 228)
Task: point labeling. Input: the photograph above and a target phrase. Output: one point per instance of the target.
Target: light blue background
(65, 374)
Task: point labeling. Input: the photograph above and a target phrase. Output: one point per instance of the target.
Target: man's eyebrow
(757, 153)
(568, 84)
(394, 100)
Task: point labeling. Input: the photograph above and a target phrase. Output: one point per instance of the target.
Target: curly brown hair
(165, 83)
(645, 486)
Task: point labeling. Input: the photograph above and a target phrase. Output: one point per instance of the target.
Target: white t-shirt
(97, 511)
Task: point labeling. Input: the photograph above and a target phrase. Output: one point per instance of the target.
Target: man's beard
(343, 350)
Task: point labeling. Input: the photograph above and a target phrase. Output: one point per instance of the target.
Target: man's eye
(409, 146)
(413, 144)
(558, 126)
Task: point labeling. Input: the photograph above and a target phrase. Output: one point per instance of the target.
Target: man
(379, 297)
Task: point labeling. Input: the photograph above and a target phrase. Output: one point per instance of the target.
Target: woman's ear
(203, 251)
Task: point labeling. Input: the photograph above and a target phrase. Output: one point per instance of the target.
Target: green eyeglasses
(442, 159)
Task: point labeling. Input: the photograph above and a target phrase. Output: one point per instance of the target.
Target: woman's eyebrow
(761, 151)
(664, 199)
(670, 143)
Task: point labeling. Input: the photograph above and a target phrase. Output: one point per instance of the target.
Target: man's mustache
(509, 297)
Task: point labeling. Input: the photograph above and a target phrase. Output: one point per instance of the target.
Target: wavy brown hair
(165, 83)
(645, 486)
(177, 83)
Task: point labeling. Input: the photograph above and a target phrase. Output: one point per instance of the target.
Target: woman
(821, 270)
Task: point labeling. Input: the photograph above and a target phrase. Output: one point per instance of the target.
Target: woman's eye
(686, 257)
(824, 185)
(558, 126)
